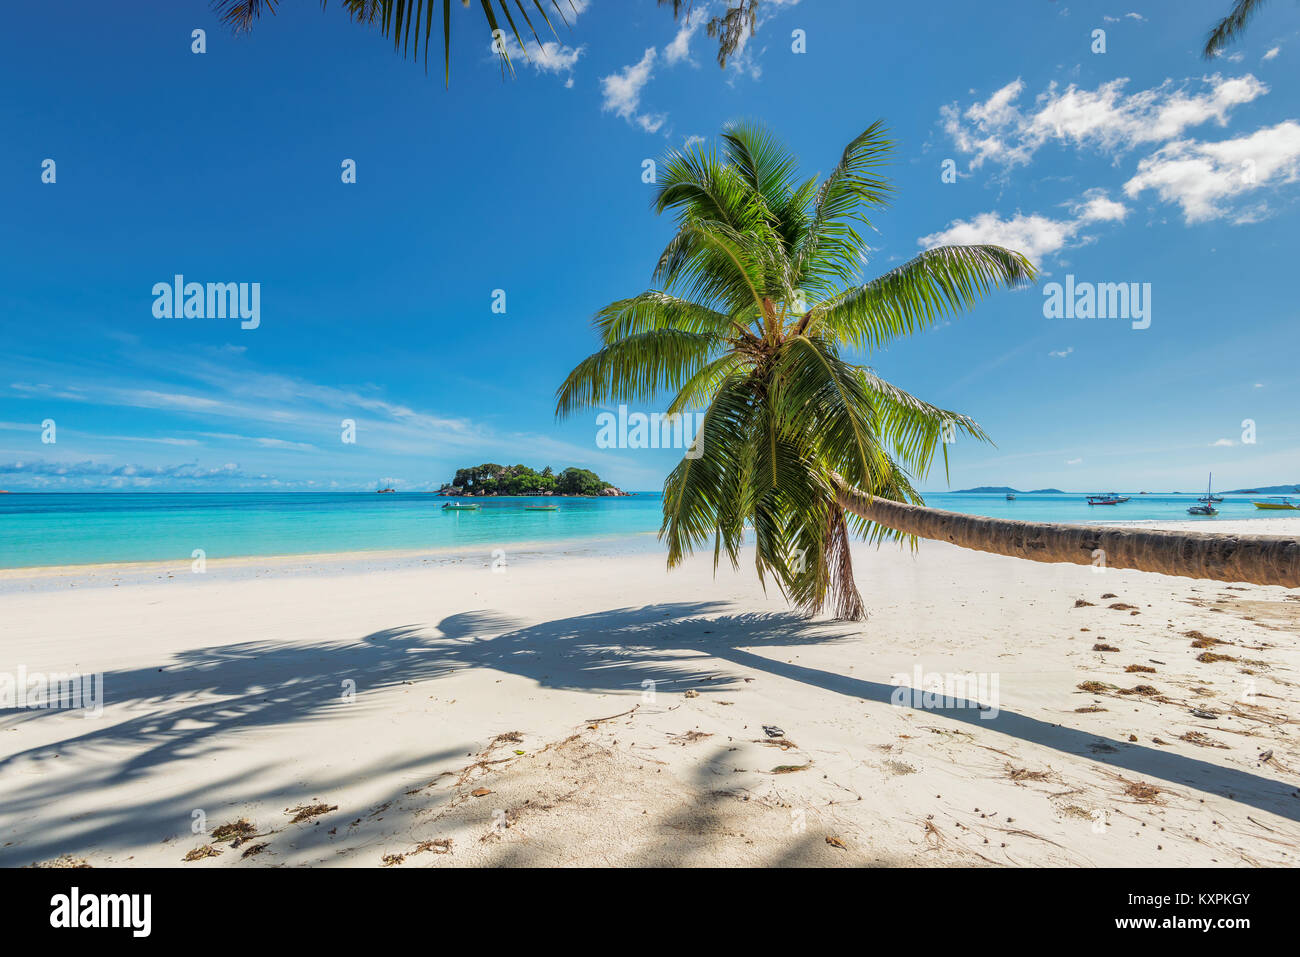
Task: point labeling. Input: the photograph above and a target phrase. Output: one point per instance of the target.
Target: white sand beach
(504, 717)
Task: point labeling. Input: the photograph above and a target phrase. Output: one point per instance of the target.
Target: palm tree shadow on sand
(235, 688)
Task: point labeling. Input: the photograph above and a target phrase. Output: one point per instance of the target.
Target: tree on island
(492, 479)
(755, 296)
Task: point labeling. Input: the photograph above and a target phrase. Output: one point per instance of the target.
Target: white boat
(1206, 506)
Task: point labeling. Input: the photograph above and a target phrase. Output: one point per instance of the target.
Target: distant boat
(1010, 497)
(383, 490)
(1282, 503)
(457, 507)
(1103, 500)
(541, 508)
(1207, 501)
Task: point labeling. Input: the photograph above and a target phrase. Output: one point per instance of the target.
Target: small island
(491, 479)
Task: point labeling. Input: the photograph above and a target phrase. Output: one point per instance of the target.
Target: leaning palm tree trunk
(1258, 559)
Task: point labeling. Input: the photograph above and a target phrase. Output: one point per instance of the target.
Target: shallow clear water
(92, 528)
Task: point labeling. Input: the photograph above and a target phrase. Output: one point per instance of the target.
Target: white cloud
(1074, 461)
(1202, 177)
(547, 57)
(1062, 353)
(680, 47)
(1034, 235)
(622, 91)
(1272, 54)
(1222, 442)
(1106, 118)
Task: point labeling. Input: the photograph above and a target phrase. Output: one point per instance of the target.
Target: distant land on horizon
(1253, 490)
(1007, 488)
(1260, 489)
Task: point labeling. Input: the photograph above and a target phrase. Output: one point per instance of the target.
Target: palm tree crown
(754, 298)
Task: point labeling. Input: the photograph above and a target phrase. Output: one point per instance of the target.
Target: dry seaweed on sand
(1139, 669)
(199, 853)
(834, 841)
(389, 860)
(1142, 792)
(235, 830)
(1024, 774)
(1102, 646)
(305, 812)
(1091, 709)
(1146, 691)
(441, 845)
(1209, 657)
(783, 743)
(1121, 606)
(1080, 603)
(791, 768)
(1201, 740)
(1095, 687)
(254, 850)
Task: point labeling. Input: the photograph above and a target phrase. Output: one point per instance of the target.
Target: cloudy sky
(1113, 157)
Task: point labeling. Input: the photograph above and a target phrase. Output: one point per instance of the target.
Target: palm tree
(1230, 27)
(408, 23)
(755, 296)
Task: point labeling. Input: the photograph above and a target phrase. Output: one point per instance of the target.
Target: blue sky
(1142, 164)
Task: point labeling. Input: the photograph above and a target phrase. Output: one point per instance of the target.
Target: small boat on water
(1280, 503)
(541, 508)
(1206, 506)
(457, 507)
(1103, 500)
(1010, 497)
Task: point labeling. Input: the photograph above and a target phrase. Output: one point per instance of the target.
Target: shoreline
(370, 560)
(1278, 525)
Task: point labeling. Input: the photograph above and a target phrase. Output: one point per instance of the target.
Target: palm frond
(634, 368)
(1230, 27)
(938, 284)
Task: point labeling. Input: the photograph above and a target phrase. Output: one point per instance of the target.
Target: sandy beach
(594, 709)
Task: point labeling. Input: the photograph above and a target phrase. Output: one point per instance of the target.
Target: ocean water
(91, 528)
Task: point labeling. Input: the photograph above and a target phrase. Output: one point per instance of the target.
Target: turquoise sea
(66, 528)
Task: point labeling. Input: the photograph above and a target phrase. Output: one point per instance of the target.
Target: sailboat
(1206, 501)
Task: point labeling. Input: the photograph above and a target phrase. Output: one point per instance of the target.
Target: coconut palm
(1230, 27)
(410, 23)
(755, 299)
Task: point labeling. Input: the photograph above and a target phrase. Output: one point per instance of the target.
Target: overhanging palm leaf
(410, 23)
(1230, 27)
(756, 294)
